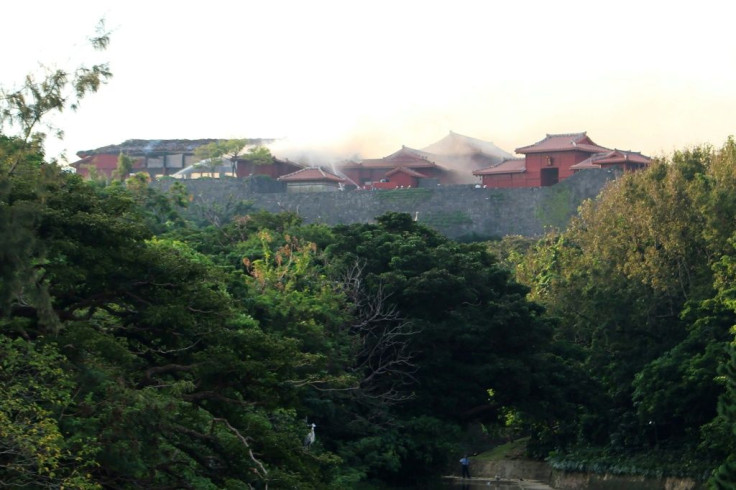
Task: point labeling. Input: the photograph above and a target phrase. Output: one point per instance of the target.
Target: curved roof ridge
(564, 142)
(555, 135)
(310, 173)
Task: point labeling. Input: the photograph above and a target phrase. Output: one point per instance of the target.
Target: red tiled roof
(510, 166)
(410, 154)
(405, 157)
(407, 171)
(145, 147)
(612, 157)
(563, 142)
(103, 162)
(311, 174)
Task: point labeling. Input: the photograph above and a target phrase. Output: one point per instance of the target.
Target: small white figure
(309, 439)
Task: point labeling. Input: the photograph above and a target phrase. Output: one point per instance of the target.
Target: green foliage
(632, 282)
(130, 361)
(161, 210)
(173, 383)
(25, 111)
(510, 250)
(259, 155)
(124, 167)
(723, 428)
(677, 391)
(36, 389)
(555, 211)
(481, 319)
(653, 464)
(475, 329)
(513, 449)
(215, 154)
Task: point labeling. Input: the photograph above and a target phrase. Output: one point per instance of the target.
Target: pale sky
(364, 77)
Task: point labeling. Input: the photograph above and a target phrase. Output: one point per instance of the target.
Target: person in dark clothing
(465, 463)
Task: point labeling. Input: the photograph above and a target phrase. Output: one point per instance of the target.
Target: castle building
(312, 179)
(555, 158)
(453, 160)
(448, 161)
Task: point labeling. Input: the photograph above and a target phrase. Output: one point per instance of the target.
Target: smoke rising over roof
(367, 79)
(463, 154)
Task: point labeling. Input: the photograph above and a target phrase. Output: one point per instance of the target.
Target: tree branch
(260, 469)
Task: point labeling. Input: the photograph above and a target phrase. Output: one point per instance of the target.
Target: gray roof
(147, 147)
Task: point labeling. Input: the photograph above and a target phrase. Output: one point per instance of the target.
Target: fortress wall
(455, 211)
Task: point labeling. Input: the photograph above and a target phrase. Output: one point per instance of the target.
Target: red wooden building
(450, 160)
(404, 168)
(509, 173)
(155, 157)
(312, 179)
(103, 165)
(619, 159)
(275, 169)
(169, 157)
(556, 158)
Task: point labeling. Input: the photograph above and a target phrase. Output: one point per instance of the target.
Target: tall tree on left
(124, 362)
(25, 111)
(34, 383)
(25, 178)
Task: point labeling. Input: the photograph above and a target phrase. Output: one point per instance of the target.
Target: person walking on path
(465, 463)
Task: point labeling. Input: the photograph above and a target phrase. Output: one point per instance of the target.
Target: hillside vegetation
(642, 286)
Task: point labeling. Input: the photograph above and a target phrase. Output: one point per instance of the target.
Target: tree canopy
(637, 284)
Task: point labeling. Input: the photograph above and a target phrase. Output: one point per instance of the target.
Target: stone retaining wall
(515, 469)
(455, 211)
(584, 481)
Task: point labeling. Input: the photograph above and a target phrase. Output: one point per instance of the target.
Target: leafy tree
(676, 394)
(724, 476)
(213, 155)
(126, 362)
(632, 283)
(479, 342)
(259, 155)
(24, 177)
(173, 384)
(36, 389)
(721, 432)
(124, 167)
(161, 209)
(197, 385)
(26, 109)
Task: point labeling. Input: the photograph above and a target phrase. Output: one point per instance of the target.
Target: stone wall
(586, 481)
(512, 469)
(456, 211)
(515, 469)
